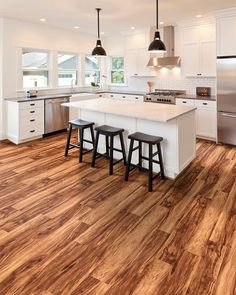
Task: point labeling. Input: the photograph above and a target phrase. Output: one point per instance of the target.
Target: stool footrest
(155, 154)
(88, 141)
(118, 161)
(154, 161)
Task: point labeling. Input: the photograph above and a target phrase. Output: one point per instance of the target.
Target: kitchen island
(176, 124)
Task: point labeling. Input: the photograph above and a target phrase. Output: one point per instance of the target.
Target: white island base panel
(178, 146)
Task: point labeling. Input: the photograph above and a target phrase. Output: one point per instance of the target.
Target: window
(67, 69)
(35, 68)
(92, 70)
(117, 70)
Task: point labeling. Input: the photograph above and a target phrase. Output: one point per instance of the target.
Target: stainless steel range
(163, 96)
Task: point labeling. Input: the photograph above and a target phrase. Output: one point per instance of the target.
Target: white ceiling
(117, 16)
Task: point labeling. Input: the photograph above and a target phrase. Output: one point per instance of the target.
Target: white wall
(166, 78)
(15, 34)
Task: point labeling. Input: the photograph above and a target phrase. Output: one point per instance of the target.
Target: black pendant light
(157, 45)
(99, 50)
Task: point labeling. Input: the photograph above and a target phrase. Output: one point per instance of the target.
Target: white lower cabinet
(125, 97)
(25, 120)
(206, 119)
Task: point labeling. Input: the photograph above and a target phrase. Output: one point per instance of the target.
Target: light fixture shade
(157, 45)
(99, 50)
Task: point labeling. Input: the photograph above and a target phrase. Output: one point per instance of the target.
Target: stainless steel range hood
(169, 59)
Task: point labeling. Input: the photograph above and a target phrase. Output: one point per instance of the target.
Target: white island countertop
(140, 110)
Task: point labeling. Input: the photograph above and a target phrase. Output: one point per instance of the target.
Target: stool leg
(107, 147)
(81, 140)
(131, 146)
(140, 152)
(161, 161)
(111, 156)
(123, 148)
(95, 149)
(68, 141)
(150, 176)
(92, 135)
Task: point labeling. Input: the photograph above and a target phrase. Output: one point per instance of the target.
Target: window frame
(98, 70)
(47, 69)
(119, 70)
(77, 69)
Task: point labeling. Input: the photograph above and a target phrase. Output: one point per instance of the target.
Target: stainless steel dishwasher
(56, 116)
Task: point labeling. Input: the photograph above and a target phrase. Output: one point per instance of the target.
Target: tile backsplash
(170, 79)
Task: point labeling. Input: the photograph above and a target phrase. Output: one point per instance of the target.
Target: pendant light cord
(157, 12)
(98, 11)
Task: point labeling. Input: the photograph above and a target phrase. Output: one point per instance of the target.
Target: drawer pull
(112, 95)
(124, 96)
(32, 112)
(184, 101)
(32, 104)
(32, 131)
(136, 97)
(33, 120)
(205, 103)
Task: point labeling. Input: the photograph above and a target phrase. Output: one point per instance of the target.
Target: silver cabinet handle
(205, 103)
(228, 115)
(184, 101)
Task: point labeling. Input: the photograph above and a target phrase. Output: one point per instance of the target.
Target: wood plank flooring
(66, 228)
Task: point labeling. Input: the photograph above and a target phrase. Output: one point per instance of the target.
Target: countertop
(25, 99)
(52, 96)
(209, 98)
(148, 111)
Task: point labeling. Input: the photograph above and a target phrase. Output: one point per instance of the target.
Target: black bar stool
(151, 141)
(109, 132)
(81, 125)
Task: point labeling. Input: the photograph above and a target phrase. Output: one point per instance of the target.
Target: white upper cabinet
(226, 32)
(199, 51)
(136, 63)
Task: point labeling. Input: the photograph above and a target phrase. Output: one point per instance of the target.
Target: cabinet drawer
(35, 112)
(31, 104)
(187, 102)
(31, 131)
(206, 104)
(31, 120)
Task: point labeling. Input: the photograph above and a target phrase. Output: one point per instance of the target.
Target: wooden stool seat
(146, 138)
(109, 132)
(81, 123)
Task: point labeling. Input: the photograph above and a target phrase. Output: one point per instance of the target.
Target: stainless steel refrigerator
(226, 99)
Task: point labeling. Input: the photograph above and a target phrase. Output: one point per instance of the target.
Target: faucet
(73, 83)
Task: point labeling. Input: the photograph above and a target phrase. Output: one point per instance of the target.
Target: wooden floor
(66, 228)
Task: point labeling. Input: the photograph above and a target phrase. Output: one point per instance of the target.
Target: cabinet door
(206, 123)
(226, 42)
(132, 62)
(208, 59)
(191, 60)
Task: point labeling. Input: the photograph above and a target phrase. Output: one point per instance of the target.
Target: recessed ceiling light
(76, 27)
(43, 20)
(132, 28)
(102, 33)
(161, 23)
(199, 16)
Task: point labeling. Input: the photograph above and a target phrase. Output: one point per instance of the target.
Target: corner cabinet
(199, 50)
(25, 120)
(226, 32)
(136, 63)
(206, 119)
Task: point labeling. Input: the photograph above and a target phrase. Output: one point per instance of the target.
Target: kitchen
(62, 209)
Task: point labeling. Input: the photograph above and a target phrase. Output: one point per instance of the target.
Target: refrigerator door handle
(229, 115)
